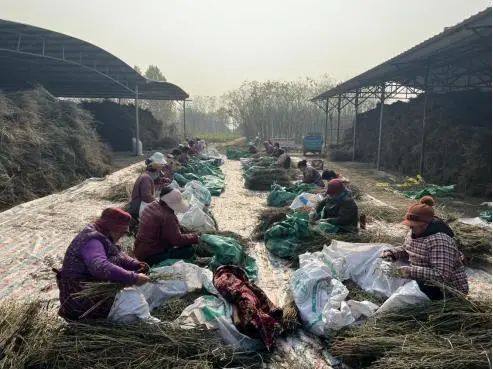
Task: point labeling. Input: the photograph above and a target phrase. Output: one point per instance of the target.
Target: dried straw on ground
(118, 193)
(261, 179)
(290, 314)
(32, 337)
(454, 333)
(474, 242)
(359, 294)
(374, 211)
(267, 218)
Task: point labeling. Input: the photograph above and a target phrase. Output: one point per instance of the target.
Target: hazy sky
(210, 46)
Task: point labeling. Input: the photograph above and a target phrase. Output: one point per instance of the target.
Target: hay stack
(474, 242)
(32, 337)
(441, 335)
(261, 179)
(46, 145)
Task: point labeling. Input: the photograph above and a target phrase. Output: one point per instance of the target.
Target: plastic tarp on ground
(206, 172)
(284, 239)
(227, 251)
(431, 190)
(320, 295)
(280, 196)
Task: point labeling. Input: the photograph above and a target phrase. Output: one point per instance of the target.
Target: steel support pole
(331, 129)
(184, 121)
(137, 128)
(338, 118)
(326, 137)
(423, 131)
(382, 103)
(356, 106)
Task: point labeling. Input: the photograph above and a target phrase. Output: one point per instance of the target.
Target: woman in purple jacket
(94, 255)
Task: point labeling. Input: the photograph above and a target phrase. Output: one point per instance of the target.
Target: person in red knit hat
(431, 252)
(339, 207)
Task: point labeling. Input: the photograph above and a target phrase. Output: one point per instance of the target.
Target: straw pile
(261, 179)
(39, 152)
(32, 337)
(375, 211)
(267, 218)
(474, 242)
(359, 294)
(290, 313)
(118, 193)
(450, 334)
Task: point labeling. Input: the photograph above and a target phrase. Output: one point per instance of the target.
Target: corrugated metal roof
(455, 45)
(70, 67)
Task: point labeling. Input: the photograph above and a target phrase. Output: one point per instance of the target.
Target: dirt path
(237, 210)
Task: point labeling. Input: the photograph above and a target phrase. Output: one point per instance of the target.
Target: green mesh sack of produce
(429, 190)
(181, 180)
(284, 239)
(227, 251)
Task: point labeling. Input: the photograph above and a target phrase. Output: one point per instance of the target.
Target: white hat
(175, 201)
(157, 159)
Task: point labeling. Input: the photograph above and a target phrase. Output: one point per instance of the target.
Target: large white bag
(216, 313)
(197, 190)
(408, 294)
(196, 219)
(320, 299)
(137, 302)
(305, 199)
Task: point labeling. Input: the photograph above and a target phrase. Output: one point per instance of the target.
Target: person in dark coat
(339, 207)
(160, 236)
(277, 150)
(284, 160)
(310, 174)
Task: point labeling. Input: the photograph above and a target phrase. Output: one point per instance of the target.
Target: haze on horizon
(208, 47)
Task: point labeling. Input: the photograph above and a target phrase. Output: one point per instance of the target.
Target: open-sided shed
(459, 58)
(70, 67)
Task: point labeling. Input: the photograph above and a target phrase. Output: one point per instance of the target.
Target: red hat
(335, 187)
(113, 220)
(420, 213)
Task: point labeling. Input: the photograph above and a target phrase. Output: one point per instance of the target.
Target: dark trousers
(185, 252)
(433, 292)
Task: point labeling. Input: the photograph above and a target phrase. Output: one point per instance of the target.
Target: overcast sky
(210, 46)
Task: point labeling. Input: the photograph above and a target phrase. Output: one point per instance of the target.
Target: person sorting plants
(277, 150)
(94, 255)
(284, 160)
(431, 251)
(160, 236)
(310, 174)
(338, 207)
(143, 191)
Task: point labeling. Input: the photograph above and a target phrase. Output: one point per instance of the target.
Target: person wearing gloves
(160, 236)
(310, 174)
(339, 207)
(143, 192)
(94, 255)
(431, 252)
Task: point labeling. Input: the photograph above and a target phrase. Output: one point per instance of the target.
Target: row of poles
(382, 99)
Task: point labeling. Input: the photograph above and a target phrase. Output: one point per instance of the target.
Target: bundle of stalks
(261, 179)
(173, 308)
(454, 333)
(290, 314)
(267, 218)
(474, 242)
(243, 241)
(98, 290)
(359, 294)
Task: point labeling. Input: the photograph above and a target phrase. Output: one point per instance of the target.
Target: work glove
(143, 268)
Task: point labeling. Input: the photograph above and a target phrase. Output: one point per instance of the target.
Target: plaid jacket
(434, 258)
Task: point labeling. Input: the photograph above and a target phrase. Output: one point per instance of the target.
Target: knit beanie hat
(421, 212)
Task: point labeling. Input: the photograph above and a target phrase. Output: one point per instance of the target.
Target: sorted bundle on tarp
(261, 178)
(204, 171)
(448, 334)
(267, 218)
(282, 196)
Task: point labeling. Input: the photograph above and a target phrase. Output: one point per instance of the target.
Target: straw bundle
(261, 179)
(455, 333)
(474, 242)
(290, 314)
(267, 218)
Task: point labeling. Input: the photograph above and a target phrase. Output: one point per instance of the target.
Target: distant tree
(153, 72)
(137, 69)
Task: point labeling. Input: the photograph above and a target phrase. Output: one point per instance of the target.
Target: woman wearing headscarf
(160, 236)
(431, 251)
(339, 207)
(94, 255)
(143, 192)
(310, 174)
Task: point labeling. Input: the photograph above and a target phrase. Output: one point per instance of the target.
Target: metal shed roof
(69, 67)
(457, 58)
